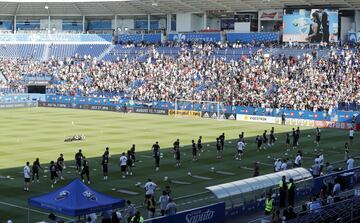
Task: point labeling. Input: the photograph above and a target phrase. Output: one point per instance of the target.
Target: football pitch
(32, 133)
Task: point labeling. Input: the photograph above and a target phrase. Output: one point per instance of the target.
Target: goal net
(194, 108)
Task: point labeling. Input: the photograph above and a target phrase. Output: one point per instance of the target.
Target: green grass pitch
(40, 132)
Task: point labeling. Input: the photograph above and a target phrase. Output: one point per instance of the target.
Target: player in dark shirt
(156, 154)
(35, 170)
(294, 139)
(317, 136)
(259, 141)
(53, 173)
(132, 150)
(176, 144)
(60, 165)
(218, 149)
(177, 152)
(78, 158)
(194, 150)
(272, 137)
(265, 139)
(241, 137)
(287, 141)
(129, 163)
(85, 170)
(107, 152)
(222, 141)
(297, 135)
(104, 164)
(199, 145)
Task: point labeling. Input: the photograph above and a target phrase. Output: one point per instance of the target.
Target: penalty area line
(33, 210)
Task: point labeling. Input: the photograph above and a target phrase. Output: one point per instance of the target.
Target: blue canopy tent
(75, 199)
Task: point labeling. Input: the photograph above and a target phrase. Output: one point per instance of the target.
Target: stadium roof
(141, 7)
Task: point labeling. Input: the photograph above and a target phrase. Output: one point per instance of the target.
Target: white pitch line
(25, 208)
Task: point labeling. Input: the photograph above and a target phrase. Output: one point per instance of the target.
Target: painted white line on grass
(25, 208)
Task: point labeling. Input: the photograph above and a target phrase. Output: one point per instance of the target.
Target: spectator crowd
(198, 72)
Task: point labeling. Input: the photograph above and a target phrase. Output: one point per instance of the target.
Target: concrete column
(168, 23)
(357, 21)
(14, 24)
(49, 24)
(205, 21)
(148, 20)
(83, 23)
(116, 26)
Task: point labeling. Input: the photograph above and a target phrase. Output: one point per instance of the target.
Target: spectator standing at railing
(336, 190)
(282, 190)
(350, 163)
(269, 204)
(291, 192)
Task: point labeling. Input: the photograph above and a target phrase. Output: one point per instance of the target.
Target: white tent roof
(141, 7)
(267, 181)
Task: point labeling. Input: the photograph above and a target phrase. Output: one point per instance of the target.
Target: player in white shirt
(297, 162)
(351, 136)
(283, 165)
(277, 165)
(240, 150)
(150, 188)
(350, 163)
(123, 164)
(27, 176)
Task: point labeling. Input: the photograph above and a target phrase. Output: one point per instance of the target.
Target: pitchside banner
(214, 213)
(255, 118)
(184, 113)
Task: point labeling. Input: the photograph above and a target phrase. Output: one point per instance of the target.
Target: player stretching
(85, 171)
(156, 154)
(317, 136)
(194, 150)
(240, 150)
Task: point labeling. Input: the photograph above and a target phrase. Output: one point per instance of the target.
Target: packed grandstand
(238, 74)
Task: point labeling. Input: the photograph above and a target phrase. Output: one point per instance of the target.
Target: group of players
(127, 160)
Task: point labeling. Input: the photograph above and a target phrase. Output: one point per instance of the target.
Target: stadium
(179, 111)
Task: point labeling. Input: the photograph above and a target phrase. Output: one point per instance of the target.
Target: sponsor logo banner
(150, 111)
(214, 213)
(184, 113)
(255, 118)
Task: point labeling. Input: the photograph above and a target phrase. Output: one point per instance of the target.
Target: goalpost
(198, 108)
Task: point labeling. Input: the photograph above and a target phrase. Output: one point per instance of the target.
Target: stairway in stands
(45, 55)
(106, 51)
